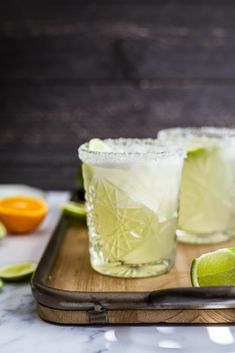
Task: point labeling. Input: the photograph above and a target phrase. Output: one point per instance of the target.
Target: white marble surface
(22, 331)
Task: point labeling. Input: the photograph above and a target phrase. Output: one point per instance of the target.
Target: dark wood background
(71, 70)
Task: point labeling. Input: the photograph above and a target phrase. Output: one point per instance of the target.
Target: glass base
(122, 270)
(207, 238)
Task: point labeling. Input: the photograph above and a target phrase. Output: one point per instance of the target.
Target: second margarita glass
(207, 198)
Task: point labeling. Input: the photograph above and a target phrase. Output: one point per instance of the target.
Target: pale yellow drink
(207, 198)
(132, 200)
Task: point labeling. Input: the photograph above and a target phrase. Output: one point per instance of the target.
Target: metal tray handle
(194, 298)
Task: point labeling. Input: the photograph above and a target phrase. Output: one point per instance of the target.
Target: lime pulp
(98, 145)
(215, 268)
(18, 271)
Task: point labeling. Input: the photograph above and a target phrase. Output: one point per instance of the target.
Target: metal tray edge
(172, 298)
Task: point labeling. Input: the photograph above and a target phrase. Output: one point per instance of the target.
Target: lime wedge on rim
(199, 145)
(3, 231)
(18, 271)
(73, 208)
(195, 149)
(215, 268)
(98, 145)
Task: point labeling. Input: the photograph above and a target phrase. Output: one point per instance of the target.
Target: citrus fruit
(3, 231)
(22, 214)
(198, 145)
(206, 198)
(98, 145)
(73, 208)
(215, 268)
(18, 271)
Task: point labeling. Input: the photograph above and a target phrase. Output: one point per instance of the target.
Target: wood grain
(136, 317)
(162, 12)
(116, 40)
(72, 271)
(71, 70)
(41, 127)
(104, 54)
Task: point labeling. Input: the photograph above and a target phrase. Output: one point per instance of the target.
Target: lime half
(3, 231)
(73, 208)
(215, 268)
(17, 272)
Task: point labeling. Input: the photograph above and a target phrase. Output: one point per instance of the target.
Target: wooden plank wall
(71, 70)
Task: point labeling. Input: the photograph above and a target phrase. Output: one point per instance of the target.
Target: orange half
(22, 214)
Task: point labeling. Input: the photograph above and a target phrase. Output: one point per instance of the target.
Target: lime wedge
(199, 145)
(3, 231)
(206, 200)
(98, 145)
(17, 272)
(73, 208)
(194, 149)
(215, 268)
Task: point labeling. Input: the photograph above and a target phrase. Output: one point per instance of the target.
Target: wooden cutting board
(69, 291)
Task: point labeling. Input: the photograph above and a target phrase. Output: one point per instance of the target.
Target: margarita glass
(207, 198)
(131, 190)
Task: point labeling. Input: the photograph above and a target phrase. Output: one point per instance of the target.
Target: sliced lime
(17, 272)
(74, 208)
(195, 149)
(98, 145)
(206, 198)
(3, 231)
(199, 145)
(215, 268)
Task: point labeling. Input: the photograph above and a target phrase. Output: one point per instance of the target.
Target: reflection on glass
(131, 191)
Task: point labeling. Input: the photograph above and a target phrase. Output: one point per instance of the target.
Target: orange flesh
(21, 214)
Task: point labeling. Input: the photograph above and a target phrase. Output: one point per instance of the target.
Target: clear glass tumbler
(207, 197)
(131, 192)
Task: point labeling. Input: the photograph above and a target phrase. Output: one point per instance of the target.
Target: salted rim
(203, 131)
(162, 150)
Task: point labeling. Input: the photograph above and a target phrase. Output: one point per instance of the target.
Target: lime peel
(17, 271)
(74, 208)
(215, 268)
(98, 145)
